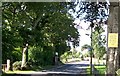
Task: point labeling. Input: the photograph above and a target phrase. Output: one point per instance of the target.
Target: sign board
(113, 40)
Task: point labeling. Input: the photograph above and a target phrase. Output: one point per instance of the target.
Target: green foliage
(17, 65)
(69, 55)
(41, 56)
(98, 42)
(89, 11)
(40, 24)
(100, 68)
(87, 54)
(17, 54)
(66, 56)
(99, 52)
(75, 54)
(84, 52)
(86, 46)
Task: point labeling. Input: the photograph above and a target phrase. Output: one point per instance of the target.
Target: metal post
(91, 25)
(56, 58)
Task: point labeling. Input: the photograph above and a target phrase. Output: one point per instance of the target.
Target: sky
(82, 26)
(85, 39)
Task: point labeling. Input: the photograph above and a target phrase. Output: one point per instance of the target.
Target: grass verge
(14, 72)
(34, 69)
(100, 68)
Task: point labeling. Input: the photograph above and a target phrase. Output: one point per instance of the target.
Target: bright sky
(85, 39)
(82, 26)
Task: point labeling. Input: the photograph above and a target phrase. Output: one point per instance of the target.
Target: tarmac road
(69, 69)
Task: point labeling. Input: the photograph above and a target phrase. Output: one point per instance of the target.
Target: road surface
(74, 68)
(69, 69)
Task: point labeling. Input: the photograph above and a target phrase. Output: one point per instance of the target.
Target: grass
(100, 68)
(34, 69)
(14, 72)
(39, 68)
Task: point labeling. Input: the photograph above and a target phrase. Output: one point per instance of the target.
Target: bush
(76, 54)
(41, 56)
(69, 55)
(17, 65)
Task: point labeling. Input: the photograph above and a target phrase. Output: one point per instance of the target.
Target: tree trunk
(24, 56)
(119, 37)
(113, 27)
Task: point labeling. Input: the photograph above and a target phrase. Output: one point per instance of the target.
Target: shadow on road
(68, 69)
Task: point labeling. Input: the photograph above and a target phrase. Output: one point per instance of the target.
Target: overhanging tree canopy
(36, 24)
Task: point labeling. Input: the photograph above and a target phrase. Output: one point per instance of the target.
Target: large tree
(35, 24)
(113, 55)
